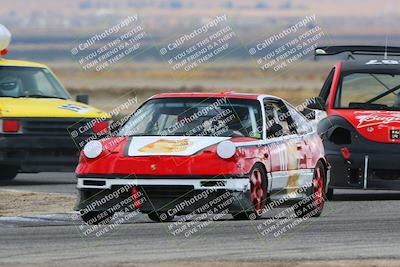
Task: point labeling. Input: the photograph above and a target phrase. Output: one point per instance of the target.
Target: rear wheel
(314, 204)
(258, 194)
(8, 172)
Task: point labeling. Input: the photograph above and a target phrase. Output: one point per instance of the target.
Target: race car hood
(164, 157)
(170, 145)
(373, 125)
(46, 107)
(115, 161)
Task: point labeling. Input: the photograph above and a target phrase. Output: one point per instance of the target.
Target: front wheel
(8, 173)
(313, 205)
(258, 195)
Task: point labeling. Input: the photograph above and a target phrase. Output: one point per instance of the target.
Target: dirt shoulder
(15, 203)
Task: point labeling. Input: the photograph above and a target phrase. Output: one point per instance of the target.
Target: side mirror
(317, 103)
(82, 99)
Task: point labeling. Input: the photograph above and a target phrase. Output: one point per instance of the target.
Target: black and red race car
(361, 132)
(182, 153)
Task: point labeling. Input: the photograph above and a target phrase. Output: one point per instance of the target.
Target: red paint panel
(335, 83)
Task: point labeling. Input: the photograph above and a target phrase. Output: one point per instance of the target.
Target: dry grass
(108, 88)
(161, 75)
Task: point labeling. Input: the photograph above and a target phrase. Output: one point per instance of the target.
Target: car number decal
(382, 62)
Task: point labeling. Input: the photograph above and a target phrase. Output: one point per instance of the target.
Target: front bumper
(175, 196)
(371, 166)
(39, 153)
(366, 171)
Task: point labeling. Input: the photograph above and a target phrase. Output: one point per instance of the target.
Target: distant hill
(43, 28)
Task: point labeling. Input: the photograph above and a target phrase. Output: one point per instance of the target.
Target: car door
(303, 142)
(283, 146)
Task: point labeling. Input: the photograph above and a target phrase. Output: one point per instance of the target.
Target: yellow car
(41, 128)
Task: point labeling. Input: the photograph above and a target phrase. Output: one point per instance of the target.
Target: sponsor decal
(373, 118)
(171, 145)
(167, 146)
(394, 135)
(75, 108)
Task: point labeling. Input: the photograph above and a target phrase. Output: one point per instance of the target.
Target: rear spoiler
(350, 50)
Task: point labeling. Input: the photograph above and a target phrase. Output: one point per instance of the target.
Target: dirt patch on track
(32, 203)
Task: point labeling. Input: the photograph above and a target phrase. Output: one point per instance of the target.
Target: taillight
(101, 127)
(3, 52)
(11, 126)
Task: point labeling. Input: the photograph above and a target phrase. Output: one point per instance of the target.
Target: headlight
(5, 38)
(93, 149)
(226, 149)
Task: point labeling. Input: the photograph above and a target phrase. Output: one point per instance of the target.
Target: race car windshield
(30, 82)
(371, 91)
(196, 117)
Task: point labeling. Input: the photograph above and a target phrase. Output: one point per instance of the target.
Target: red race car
(361, 132)
(179, 153)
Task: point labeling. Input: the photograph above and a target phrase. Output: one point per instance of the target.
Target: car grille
(54, 127)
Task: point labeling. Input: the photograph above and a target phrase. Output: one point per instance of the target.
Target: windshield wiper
(45, 96)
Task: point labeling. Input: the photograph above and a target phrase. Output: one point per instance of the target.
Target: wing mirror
(317, 103)
(82, 99)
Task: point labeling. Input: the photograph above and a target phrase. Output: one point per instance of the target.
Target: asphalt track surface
(356, 225)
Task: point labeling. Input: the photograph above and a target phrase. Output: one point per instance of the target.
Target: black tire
(258, 194)
(245, 216)
(329, 194)
(92, 217)
(8, 173)
(160, 217)
(314, 204)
